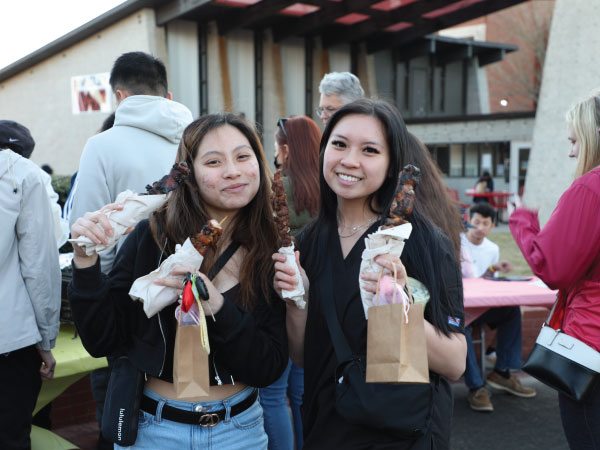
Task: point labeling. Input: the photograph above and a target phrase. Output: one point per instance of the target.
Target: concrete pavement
(515, 423)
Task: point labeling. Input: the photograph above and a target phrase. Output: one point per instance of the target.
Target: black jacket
(251, 346)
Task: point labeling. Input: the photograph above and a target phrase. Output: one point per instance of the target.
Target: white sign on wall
(486, 161)
(91, 93)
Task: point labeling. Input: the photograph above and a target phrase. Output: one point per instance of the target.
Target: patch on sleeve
(454, 321)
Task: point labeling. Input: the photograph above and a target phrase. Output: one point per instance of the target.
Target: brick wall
(532, 320)
(75, 405)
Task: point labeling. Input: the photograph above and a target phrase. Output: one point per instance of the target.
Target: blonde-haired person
(565, 254)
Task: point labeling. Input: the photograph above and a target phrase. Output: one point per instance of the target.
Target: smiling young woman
(228, 177)
(363, 150)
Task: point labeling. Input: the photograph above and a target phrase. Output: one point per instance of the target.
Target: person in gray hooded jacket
(141, 146)
(29, 290)
(139, 149)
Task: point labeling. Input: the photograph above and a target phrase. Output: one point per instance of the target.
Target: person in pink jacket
(565, 254)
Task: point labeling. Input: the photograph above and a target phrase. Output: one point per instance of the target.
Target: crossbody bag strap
(340, 343)
(222, 260)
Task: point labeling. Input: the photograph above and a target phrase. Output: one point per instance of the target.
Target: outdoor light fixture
(503, 102)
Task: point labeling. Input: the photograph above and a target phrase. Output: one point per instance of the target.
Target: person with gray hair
(337, 89)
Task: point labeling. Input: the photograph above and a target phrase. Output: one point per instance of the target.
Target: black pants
(581, 420)
(20, 384)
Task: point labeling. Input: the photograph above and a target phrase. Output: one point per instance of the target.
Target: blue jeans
(273, 399)
(243, 431)
(295, 392)
(581, 420)
(507, 320)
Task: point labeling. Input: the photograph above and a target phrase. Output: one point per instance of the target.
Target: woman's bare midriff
(167, 390)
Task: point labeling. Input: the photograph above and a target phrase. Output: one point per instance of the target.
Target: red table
(480, 294)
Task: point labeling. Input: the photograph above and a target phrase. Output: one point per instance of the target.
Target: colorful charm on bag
(188, 297)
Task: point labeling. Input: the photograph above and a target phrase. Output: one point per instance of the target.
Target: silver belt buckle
(209, 420)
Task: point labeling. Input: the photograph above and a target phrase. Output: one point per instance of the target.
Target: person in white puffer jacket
(30, 287)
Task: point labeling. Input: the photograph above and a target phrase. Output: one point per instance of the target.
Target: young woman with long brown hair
(228, 178)
(297, 155)
(434, 201)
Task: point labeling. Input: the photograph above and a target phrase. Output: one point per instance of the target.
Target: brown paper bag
(190, 363)
(396, 350)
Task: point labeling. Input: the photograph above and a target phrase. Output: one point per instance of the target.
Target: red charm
(187, 299)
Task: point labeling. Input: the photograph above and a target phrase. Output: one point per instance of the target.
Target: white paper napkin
(156, 297)
(382, 242)
(135, 208)
(297, 295)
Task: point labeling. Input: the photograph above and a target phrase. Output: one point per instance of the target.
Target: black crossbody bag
(401, 410)
(122, 404)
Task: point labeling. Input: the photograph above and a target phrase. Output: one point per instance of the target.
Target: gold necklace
(355, 229)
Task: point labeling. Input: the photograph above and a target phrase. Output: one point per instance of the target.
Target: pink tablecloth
(481, 294)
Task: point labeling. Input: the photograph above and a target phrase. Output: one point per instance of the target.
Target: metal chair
(481, 341)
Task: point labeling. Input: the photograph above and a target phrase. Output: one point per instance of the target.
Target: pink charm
(386, 291)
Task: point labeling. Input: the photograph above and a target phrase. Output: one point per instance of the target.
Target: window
(471, 160)
(441, 155)
(456, 160)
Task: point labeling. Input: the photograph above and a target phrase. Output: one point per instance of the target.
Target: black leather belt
(202, 418)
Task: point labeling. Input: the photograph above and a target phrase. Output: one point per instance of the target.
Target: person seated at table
(485, 183)
(481, 257)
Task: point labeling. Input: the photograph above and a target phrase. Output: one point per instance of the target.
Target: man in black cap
(30, 283)
(17, 138)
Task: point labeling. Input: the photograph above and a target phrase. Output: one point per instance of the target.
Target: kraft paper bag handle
(377, 290)
(405, 304)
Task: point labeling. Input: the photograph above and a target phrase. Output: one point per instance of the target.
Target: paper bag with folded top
(396, 346)
(190, 359)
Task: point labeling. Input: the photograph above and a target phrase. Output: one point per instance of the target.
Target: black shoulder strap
(340, 343)
(222, 260)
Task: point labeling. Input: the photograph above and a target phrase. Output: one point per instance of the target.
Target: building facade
(265, 60)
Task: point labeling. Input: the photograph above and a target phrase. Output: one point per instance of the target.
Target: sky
(28, 25)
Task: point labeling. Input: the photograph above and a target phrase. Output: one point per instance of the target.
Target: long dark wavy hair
(427, 249)
(302, 136)
(434, 202)
(184, 213)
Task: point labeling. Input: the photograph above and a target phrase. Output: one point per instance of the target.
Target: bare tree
(519, 76)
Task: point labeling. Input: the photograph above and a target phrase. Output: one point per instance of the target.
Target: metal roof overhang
(447, 50)
(380, 24)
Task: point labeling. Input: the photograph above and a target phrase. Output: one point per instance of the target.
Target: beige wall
(40, 97)
(183, 57)
(571, 72)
